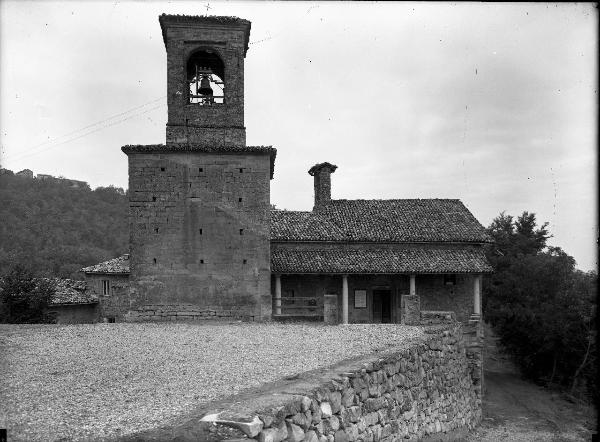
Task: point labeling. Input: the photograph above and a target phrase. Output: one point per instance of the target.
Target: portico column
(277, 294)
(344, 299)
(413, 285)
(477, 295)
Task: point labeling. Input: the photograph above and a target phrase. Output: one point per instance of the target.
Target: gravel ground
(98, 381)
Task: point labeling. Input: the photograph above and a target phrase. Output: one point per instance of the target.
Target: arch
(205, 75)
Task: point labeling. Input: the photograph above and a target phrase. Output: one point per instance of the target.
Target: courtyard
(102, 381)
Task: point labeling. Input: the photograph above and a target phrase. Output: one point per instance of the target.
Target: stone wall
(219, 124)
(422, 390)
(199, 231)
(75, 313)
(116, 303)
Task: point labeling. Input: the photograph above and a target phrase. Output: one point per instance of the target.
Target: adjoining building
(205, 243)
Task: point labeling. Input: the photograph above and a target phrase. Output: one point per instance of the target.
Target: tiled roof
(69, 291)
(402, 220)
(379, 261)
(306, 226)
(184, 147)
(116, 265)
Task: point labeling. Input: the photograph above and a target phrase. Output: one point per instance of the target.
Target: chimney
(322, 174)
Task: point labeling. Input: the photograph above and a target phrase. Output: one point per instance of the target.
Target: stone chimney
(322, 174)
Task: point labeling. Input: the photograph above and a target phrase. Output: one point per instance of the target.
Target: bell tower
(205, 78)
(199, 204)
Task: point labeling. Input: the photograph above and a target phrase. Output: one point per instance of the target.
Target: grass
(99, 381)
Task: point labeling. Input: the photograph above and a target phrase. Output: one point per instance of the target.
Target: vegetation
(23, 299)
(542, 307)
(54, 230)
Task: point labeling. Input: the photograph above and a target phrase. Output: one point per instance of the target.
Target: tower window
(205, 76)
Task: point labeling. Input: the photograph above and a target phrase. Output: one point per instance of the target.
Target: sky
(494, 104)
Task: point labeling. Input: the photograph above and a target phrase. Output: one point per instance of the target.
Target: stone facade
(199, 231)
(199, 205)
(112, 292)
(219, 124)
(423, 390)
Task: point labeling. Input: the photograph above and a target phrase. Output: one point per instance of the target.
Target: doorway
(382, 306)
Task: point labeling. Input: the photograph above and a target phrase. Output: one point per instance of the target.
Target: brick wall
(199, 231)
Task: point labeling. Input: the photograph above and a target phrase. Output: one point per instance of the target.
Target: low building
(109, 283)
(73, 303)
(25, 173)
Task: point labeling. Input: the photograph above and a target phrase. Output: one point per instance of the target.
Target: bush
(24, 299)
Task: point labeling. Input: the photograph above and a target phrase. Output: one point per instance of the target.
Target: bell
(205, 88)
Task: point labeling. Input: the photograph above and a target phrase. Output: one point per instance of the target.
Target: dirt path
(516, 410)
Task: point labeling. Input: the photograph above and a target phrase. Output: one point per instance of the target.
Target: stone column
(477, 295)
(277, 294)
(345, 299)
(413, 285)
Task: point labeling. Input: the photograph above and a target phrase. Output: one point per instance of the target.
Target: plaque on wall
(360, 299)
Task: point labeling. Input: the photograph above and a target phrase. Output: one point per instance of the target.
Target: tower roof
(203, 20)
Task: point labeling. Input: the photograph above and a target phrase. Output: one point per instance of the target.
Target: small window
(162, 169)
(111, 320)
(239, 200)
(156, 230)
(153, 198)
(449, 279)
(200, 169)
(105, 287)
(241, 170)
(154, 260)
(201, 261)
(245, 261)
(200, 231)
(241, 231)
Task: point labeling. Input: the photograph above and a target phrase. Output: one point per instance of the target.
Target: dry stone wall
(422, 391)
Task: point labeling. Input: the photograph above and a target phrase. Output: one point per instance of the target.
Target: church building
(205, 242)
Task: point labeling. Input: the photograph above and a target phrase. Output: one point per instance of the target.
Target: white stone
(326, 409)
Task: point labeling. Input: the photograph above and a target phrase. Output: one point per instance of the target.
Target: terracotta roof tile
(304, 226)
(116, 265)
(70, 291)
(405, 220)
(379, 261)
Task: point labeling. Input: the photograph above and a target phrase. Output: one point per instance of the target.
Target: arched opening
(206, 78)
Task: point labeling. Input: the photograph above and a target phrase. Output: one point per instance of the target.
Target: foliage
(55, 230)
(542, 307)
(23, 299)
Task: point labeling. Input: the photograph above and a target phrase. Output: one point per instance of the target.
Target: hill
(55, 228)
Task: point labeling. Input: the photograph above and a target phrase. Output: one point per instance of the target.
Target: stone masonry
(199, 205)
(425, 389)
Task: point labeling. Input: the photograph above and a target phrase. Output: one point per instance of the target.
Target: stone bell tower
(199, 204)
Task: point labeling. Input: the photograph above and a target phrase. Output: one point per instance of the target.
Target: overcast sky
(494, 104)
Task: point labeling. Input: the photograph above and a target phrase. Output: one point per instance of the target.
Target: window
(105, 287)
(241, 231)
(360, 299)
(449, 279)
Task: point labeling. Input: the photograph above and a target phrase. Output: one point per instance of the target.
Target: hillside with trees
(53, 229)
(541, 306)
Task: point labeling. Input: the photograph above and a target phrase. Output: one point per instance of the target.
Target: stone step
(286, 317)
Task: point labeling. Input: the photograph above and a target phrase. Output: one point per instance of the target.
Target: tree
(542, 307)
(24, 299)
